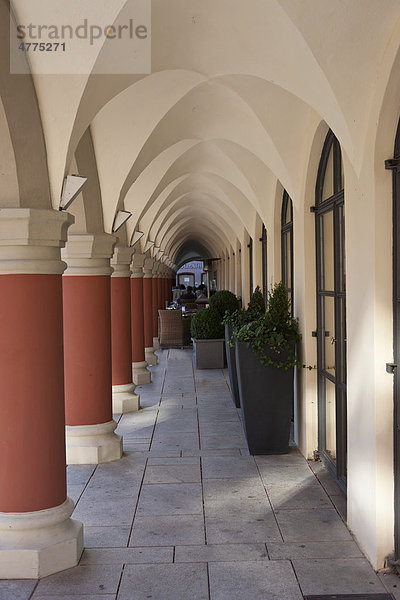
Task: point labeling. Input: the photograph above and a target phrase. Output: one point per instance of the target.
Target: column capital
(121, 261)
(30, 240)
(89, 253)
(156, 269)
(148, 268)
(137, 265)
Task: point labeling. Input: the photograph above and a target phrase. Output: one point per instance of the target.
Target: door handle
(333, 340)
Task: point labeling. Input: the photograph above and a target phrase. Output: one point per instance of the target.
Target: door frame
(334, 203)
(394, 166)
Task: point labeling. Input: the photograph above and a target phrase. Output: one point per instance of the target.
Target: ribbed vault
(229, 107)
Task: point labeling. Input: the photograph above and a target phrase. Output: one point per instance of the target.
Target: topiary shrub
(257, 302)
(206, 325)
(278, 313)
(224, 301)
(255, 309)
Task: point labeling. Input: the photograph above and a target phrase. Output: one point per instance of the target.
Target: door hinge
(392, 164)
(315, 334)
(390, 368)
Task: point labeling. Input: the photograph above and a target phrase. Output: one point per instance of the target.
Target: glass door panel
(329, 359)
(327, 242)
(288, 256)
(342, 249)
(330, 419)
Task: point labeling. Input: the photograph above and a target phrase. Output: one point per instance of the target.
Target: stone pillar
(155, 304)
(87, 348)
(37, 536)
(124, 399)
(140, 374)
(151, 358)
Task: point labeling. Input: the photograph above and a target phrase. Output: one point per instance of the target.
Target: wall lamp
(120, 218)
(73, 185)
(135, 237)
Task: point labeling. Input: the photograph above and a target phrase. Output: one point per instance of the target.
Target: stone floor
(187, 514)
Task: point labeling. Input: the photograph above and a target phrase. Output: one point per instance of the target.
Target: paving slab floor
(188, 514)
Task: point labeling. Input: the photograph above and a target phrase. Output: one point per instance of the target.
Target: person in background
(200, 293)
(188, 295)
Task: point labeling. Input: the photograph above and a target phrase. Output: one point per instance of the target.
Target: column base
(151, 358)
(124, 400)
(37, 544)
(92, 444)
(156, 343)
(140, 374)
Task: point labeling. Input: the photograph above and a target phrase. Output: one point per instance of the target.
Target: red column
(167, 299)
(124, 400)
(32, 373)
(33, 491)
(87, 326)
(151, 358)
(155, 299)
(87, 352)
(137, 319)
(160, 294)
(169, 288)
(121, 330)
(141, 375)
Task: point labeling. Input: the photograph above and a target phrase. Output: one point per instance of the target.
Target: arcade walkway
(187, 514)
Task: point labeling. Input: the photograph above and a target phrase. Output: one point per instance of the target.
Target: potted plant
(265, 359)
(208, 341)
(224, 301)
(238, 318)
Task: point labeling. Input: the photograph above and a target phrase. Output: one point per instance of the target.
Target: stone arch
(25, 179)
(87, 208)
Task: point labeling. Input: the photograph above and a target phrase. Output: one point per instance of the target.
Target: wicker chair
(174, 328)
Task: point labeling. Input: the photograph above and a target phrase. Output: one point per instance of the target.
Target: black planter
(266, 399)
(231, 361)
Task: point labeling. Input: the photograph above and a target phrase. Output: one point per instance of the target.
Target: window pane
(264, 263)
(342, 251)
(287, 210)
(284, 210)
(288, 281)
(327, 267)
(339, 179)
(327, 190)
